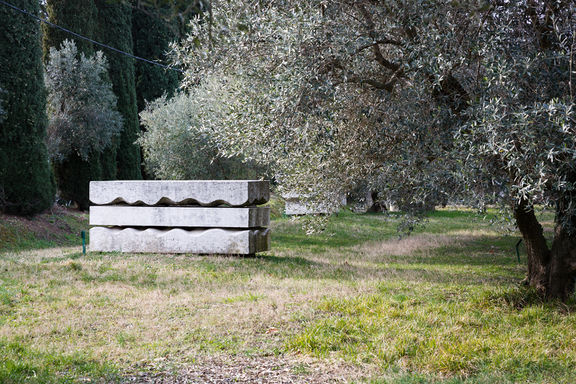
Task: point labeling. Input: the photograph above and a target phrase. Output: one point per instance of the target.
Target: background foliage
(77, 15)
(418, 97)
(152, 36)
(73, 174)
(26, 183)
(81, 105)
(175, 147)
(115, 29)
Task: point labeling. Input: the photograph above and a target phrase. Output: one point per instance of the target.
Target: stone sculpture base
(204, 241)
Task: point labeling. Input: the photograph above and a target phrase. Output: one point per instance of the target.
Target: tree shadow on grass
(296, 267)
(449, 264)
(465, 262)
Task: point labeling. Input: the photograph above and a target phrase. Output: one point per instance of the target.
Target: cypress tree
(115, 29)
(26, 182)
(73, 175)
(152, 35)
(76, 15)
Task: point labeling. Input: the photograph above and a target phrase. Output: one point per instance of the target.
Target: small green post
(518, 250)
(83, 242)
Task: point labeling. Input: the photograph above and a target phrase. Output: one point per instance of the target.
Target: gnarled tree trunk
(562, 268)
(551, 271)
(536, 246)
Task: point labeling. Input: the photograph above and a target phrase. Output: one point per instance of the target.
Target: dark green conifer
(26, 182)
(115, 29)
(76, 15)
(152, 33)
(152, 36)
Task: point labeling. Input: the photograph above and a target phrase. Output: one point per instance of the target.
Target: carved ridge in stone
(235, 193)
(191, 202)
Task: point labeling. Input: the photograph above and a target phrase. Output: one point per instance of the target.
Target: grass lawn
(353, 304)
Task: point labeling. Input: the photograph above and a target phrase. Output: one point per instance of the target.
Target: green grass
(441, 305)
(48, 230)
(450, 330)
(20, 363)
(344, 230)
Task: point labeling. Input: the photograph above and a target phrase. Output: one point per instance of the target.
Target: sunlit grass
(441, 305)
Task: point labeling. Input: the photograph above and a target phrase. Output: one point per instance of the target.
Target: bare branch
(382, 41)
(376, 47)
(383, 85)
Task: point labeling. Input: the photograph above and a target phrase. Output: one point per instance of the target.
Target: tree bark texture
(551, 271)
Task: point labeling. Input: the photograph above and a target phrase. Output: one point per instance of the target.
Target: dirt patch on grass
(409, 245)
(243, 369)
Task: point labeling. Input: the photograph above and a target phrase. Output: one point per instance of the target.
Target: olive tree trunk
(551, 270)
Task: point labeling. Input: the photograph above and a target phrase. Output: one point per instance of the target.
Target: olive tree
(175, 148)
(425, 99)
(83, 120)
(521, 127)
(81, 105)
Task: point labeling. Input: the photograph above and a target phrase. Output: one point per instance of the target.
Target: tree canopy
(175, 147)
(471, 99)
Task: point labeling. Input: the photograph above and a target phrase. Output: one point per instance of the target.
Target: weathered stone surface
(391, 206)
(135, 212)
(295, 206)
(205, 241)
(236, 193)
(129, 216)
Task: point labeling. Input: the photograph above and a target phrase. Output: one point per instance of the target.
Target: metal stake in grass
(517, 250)
(83, 234)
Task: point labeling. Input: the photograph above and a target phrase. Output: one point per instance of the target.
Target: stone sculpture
(296, 205)
(208, 216)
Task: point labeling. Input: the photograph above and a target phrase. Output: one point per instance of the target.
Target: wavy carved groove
(207, 193)
(167, 201)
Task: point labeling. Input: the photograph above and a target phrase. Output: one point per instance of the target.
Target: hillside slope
(55, 228)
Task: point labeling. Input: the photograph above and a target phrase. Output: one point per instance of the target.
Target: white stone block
(235, 193)
(295, 206)
(203, 241)
(203, 217)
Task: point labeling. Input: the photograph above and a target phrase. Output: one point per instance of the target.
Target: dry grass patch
(134, 307)
(410, 244)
